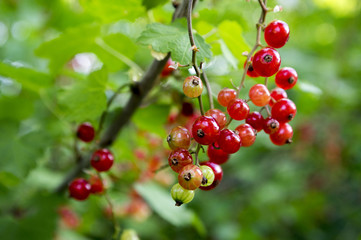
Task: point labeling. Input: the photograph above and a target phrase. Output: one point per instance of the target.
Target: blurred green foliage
(62, 59)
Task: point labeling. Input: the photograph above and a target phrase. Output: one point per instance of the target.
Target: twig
(209, 90)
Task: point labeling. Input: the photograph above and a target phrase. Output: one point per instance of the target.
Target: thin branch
(209, 90)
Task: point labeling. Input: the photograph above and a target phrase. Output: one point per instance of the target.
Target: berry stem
(266, 81)
(209, 90)
(263, 4)
(201, 104)
(196, 155)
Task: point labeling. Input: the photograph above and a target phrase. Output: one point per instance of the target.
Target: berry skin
(85, 132)
(208, 176)
(102, 160)
(181, 195)
(96, 184)
(179, 137)
(190, 177)
(271, 125)
(259, 95)
(179, 158)
(283, 135)
(229, 141)
(238, 109)
(79, 189)
(205, 130)
(167, 70)
(218, 115)
(247, 134)
(216, 154)
(255, 119)
(218, 175)
(284, 110)
(192, 86)
(276, 34)
(266, 62)
(286, 78)
(250, 71)
(226, 95)
(277, 94)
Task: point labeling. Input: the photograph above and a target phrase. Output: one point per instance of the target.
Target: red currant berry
(179, 158)
(286, 78)
(271, 125)
(205, 130)
(181, 195)
(167, 70)
(85, 132)
(208, 176)
(247, 134)
(192, 86)
(276, 34)
(283, 135)
(229, 141)
(218, 115)
(187, 109)
(259, 95)
(79, 189)
(250, 71)
(277, 94)
(226, 95)
(218, 174)
(266, 62)
(255, 119)
(179, 137)
(190, 177)
(96, 185)
(102, 160)
(216, 154)
(284, 110)
(238, 109)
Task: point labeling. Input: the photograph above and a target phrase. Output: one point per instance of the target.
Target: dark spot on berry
(289, 141)
(200, 133)
(96, 158)
(268, 58)
(273, 125)
(290, 117)
(169, 138)
(204, 180)
(195, 81)
(187, 176)
(291, 80)
(250, 68)
(174, 162)
(178, 203)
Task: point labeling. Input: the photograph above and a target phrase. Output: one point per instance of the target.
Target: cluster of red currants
(102, 160)
(212, 128)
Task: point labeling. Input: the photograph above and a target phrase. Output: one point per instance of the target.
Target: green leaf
(113, 10)
(162, 203)
(231, 34)
(153, 3)
(63, 48)
(152, 118)
(174, 39)
(29, 78)
(86, 100)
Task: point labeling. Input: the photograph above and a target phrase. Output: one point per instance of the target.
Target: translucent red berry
(190, 177)
(216, 154)
(179, 137)
(284, 110)
(205, 130)
(286, 78)
(85, 132)
(179, 158)
(187, 109)
(259, 95)
(276, 34)
(250, 71)
(218, 115)
(283, 135)
(218, 174)
(192, 86)
(277, 94)
(226, 95)
(266, 62)
(238, 109)
(102, 160)
(270, 125)
(79, 189)
(247, 134)
(229, 141)
(255, 119)
(96, 185)
(167, 70)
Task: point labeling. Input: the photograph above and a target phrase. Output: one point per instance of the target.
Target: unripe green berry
(192, 86)
(181, 195)
(208, 176)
